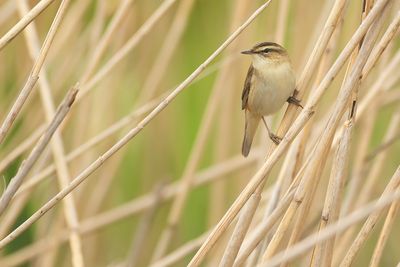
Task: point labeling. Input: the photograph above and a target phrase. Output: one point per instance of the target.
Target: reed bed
(140, 165)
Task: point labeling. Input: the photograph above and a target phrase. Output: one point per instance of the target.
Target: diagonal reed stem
(131, 134)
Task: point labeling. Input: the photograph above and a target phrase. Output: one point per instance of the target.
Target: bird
(270, 82)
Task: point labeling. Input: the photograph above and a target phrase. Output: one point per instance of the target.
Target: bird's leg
(293, 100)
(276, 139)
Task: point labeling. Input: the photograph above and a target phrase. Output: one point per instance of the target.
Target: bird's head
(267, 52)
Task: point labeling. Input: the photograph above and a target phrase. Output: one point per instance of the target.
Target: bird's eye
(266, 50)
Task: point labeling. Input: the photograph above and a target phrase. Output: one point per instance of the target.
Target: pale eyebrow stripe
(267, 44)
(272, 48)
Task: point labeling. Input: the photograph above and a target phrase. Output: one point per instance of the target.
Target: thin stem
(293, 131)
(27, 165)
(33, 77)
(23, 22)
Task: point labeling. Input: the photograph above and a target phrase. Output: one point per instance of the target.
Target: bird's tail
(250, 129)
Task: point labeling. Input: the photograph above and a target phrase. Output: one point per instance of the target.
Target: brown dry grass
(300, 203)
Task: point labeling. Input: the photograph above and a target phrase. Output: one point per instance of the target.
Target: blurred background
(124, 206)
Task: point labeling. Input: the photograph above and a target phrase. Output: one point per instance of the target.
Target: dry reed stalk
(187, 177)
(142, 230)
(170, 44)
(133, 207)
(105, 39)
(281, 185)
(17, 206)
(296, 151)
(304, 116)
(11, 214)
(22, 147)
(319, 27)
(128, 46)
(218, 196)
(358, 165)
(56, 144)
(132, 117)
(371, 181)
(239, 233)
(325, 62)
(33, 76)
(197, 150)
(95, 201)
(325, 140)
(274, 201)
(278, 38)
(70, 25)
(144, 202)
(385, 232)
(373, 59)
(44, 228)
(374, 173)
(181, 252)
(322, 254)
(303, 213)
(306, 75)
(362, 150)
(345, 239)
(227, 78)
(321, 149)
(247, 214)
(107, 35)
(262, 229)
(107, 169)
(86, 124)
(299, 224)
(27, 164)
(23, 22)
(12, 115)
(391, 187)
(387, 37)
(166, 52)
(383, 83)
(51, 228)
(380, 84)
(336, 228)
(312, 168)
(112, 129)
(121, 53)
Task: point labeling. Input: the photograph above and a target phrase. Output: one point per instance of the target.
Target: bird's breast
(271, 87)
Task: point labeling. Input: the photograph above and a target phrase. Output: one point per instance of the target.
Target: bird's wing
(247, 85)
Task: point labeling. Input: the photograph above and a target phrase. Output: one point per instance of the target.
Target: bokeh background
(159, 155)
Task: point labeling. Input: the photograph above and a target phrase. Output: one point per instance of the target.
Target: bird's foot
(276, 139)
(293, 100)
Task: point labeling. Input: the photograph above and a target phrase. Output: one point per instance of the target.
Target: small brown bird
(270, 82)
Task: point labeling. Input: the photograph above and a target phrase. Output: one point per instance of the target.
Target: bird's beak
(248, 52)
